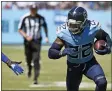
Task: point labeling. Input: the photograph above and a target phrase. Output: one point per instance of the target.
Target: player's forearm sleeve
(54, 51)
(4, 58)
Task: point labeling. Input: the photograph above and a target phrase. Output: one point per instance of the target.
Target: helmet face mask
(75, 26)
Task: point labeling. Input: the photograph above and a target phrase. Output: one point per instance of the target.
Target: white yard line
(63, 84)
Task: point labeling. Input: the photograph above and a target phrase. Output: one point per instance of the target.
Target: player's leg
(94, 72)
(36, 60)
(74, 76)
(28, 56)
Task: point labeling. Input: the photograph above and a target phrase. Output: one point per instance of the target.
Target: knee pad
(94, 72)
(101, 82)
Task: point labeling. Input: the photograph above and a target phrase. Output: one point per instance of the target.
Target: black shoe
(35, 82)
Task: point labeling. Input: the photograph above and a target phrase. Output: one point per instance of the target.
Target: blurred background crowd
(57, 5)
(55, 13)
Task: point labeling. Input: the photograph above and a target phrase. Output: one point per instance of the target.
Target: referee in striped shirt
(30, 28)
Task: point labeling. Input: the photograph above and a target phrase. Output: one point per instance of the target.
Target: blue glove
(16, 68)
(106, 50)
(68, 51)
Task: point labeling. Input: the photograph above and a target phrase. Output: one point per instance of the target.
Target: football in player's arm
(12, 64)
(77, 35)
(102, 35)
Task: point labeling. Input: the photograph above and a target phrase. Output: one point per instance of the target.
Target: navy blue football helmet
(77, 18)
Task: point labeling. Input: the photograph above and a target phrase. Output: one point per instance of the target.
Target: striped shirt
(32, 25)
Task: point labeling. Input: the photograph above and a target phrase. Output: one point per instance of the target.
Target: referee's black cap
(33, 6)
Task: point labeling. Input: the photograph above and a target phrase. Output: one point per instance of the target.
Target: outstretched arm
(54, 51)
(13, 65)
(4, 58)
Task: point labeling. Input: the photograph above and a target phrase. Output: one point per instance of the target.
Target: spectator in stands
(101, 5)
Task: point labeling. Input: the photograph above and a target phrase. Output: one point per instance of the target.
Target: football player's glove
(68, 51)
(106, 50)
(15, 67)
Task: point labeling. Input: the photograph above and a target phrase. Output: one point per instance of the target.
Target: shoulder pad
(61, 28)
(94, 24)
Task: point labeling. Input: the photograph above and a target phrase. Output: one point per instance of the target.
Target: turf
(51, 70)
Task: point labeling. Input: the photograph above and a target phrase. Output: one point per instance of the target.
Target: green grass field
(51, 71)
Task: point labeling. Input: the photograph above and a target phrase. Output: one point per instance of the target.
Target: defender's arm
(13, 65)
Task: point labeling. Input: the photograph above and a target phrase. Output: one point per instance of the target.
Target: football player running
(78, 35)
(12, 64)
